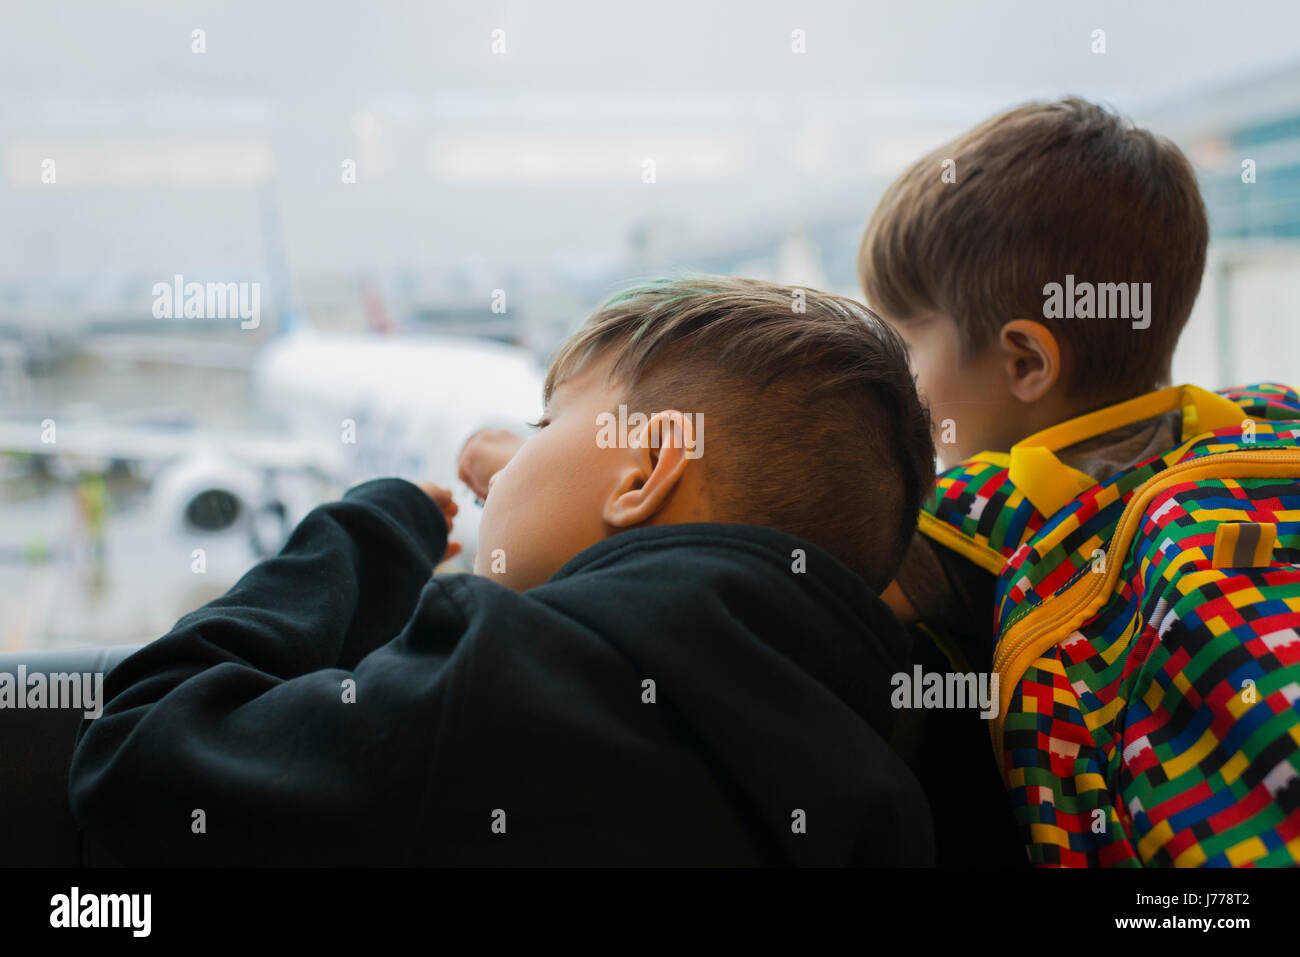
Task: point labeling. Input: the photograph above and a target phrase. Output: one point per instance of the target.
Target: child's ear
(1031, 358)
(660, 447)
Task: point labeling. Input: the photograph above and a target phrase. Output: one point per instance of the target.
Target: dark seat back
(36, 826)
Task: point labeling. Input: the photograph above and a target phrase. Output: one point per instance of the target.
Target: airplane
(339, 409)
(377, 405)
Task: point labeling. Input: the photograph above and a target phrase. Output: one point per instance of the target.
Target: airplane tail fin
(291, 321)
(376, 313)
(289, 318)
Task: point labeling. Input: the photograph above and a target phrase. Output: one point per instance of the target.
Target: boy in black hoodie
(664, 657)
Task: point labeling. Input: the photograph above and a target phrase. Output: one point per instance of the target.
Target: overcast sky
(303, 51)
(534, 155)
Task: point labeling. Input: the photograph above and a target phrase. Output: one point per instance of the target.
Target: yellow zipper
(1044, 627)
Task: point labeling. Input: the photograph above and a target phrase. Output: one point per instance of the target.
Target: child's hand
(484, 454)
(442, 498)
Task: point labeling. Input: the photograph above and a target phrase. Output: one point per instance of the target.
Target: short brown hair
(814, 424)
(1042, 191)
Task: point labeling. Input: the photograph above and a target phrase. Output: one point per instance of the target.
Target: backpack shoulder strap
(988, 506)
(977, 512)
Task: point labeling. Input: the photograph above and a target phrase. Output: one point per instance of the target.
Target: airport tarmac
(62, 583)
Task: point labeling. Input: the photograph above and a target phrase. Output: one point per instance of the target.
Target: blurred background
(253, 253)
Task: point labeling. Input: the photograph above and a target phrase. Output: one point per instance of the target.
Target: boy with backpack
(1121, 554)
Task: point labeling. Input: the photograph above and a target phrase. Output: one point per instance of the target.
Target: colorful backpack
(1148, 629)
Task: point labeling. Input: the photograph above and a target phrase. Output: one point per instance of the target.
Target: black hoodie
(673, 695)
